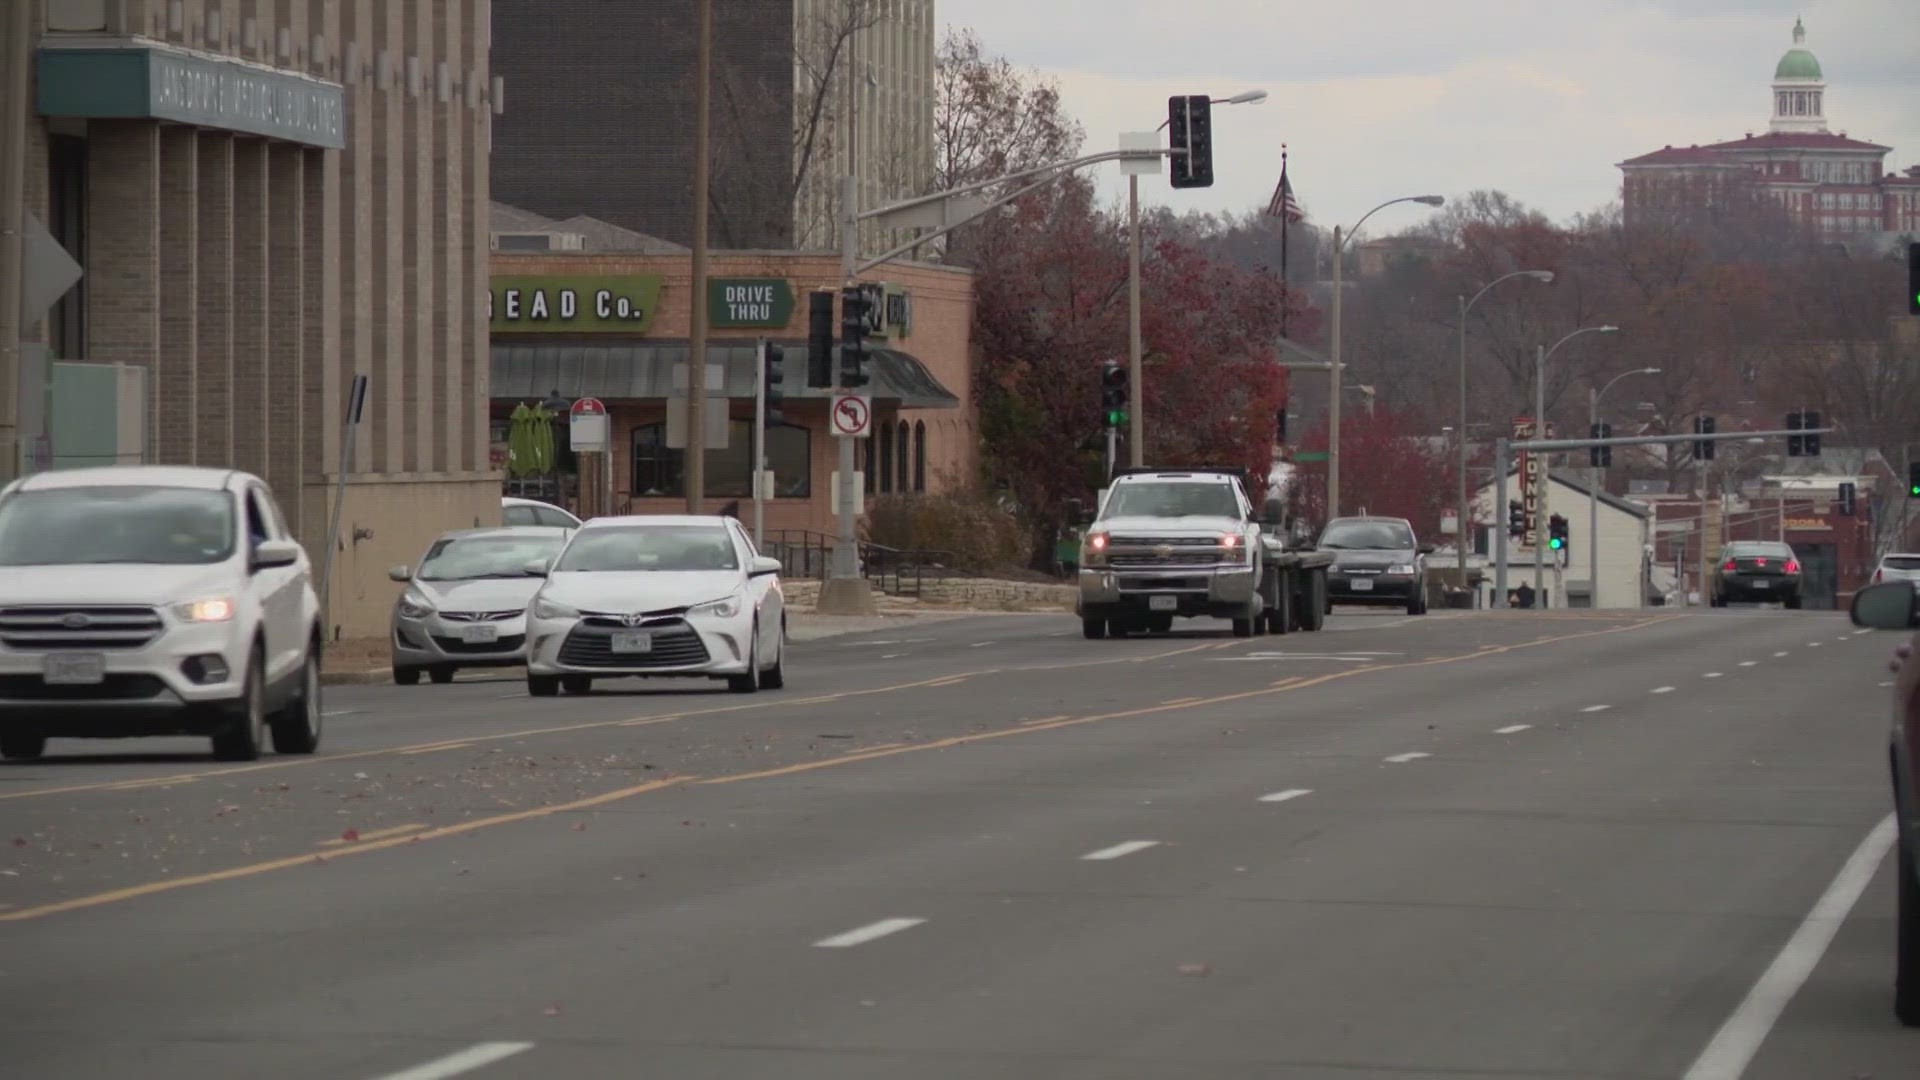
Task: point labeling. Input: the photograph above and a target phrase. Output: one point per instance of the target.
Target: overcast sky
(1382, 98)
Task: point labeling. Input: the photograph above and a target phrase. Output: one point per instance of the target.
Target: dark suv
(1761, 571)
(1376, 561)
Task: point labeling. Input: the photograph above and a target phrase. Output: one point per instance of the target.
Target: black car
(1763, 571)
(1376, 561)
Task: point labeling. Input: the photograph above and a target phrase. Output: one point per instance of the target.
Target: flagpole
(1286, 226)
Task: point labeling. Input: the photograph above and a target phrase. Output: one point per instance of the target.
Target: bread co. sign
(577, 304)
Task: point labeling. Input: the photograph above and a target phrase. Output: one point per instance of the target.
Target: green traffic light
(1116, 417)
(1556, 543)
(1914, 491)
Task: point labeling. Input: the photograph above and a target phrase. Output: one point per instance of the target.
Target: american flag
(1284, 205)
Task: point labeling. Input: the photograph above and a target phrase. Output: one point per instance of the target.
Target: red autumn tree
(1391, 464)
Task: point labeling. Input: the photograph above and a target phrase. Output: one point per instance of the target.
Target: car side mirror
(1426, 549)
(1888, 606)
(400, 573)
(268, 554)
(763, 565)
(536, 568)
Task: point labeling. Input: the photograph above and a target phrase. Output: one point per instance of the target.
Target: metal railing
(807, 554)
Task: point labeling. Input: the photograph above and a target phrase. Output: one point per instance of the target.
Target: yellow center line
(437, 749)
(1288, 681)
(377, 834)
(870, 754)
(1181, 700)
(1046, 719)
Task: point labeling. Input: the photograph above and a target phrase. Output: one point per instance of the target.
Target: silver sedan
(465, 606)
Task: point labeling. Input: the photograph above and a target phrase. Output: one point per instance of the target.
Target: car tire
(1160, 624)
(296, 727)
(1906, 979)
(543, 685)
(1093, 629)
(1280, 616)
(441, 676)
(406, 676)
(577, 684)
(249, 732)
(1793, 603)
(748, 681)
(1416, 601)
(22, 747)
(1243, 628)
(775, 677)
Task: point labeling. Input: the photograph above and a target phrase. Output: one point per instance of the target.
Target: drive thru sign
(852, 416)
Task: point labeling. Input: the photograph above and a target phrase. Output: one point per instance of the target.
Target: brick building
(926, 431)
(576, 71)
(267, 198)
(1832, 182)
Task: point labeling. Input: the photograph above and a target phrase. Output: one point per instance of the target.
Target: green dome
(1797, 64)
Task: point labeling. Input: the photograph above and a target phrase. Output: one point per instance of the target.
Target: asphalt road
(1463, 846)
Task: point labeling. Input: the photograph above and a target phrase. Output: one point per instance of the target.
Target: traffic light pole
(759, 450)
(1540, 503)
(1113, 450)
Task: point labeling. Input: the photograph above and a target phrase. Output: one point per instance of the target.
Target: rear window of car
(1748, 551)
(1902, 562)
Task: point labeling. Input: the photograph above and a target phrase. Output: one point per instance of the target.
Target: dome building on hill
(1836, 183)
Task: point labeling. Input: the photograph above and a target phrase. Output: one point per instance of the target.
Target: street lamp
(1593, 490)
(1333, 409)
(1540, 357)
(1461, 534)
(1136, 393)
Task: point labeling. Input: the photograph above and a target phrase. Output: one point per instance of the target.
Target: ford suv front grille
(40, 629)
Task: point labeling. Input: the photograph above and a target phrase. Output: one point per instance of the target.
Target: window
(519, 515)
(660, 471)
(1174, 499)
(902, 457)
(883, 441)
(81, 525)
(631, 548)
(472, 558)
(67, 170)
(257, 529)
(920, 456)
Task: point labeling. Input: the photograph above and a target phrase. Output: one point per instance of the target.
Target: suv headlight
(415, 606)
(1403, 568)
(544, 608)
(215, 609)
(724, 608)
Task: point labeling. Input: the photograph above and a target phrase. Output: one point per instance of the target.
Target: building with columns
(269, 197)
(1831, 182)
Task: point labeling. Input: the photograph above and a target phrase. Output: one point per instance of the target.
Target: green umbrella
(542, 457)
(520, 442)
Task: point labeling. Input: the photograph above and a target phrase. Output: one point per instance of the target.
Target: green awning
(645, 373)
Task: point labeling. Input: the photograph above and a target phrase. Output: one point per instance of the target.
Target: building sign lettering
(159, 82)
(744, 303)
(582, 304)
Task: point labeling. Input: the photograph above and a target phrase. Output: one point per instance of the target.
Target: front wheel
(296, 728)
(577, 684)
(1093, 629)
(1315, 604)
(248, 735)
(22, 747)
(749, 681)
(1906, 979)
(441, 676)
(1243, 628)
(543, 685)
(775, 677)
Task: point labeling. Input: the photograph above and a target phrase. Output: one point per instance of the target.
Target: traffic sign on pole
(587, 426)
(852, 416)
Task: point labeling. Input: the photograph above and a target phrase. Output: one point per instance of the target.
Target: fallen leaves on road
(579, 826)
(350, 835)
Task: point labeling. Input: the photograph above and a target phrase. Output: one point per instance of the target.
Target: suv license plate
(83, 669)
(484, 634)
(632, 641)
(1163, 603)
(1361, 584)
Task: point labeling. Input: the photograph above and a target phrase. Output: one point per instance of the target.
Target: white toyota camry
(657, 597)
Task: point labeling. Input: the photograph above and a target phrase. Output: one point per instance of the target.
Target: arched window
(920, 456)
(886, 459)
(902, 456)
(660, 471)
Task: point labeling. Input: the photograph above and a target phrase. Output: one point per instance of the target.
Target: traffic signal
(1190, 134)
(1796, 444)
(820, 339)
(853, 337)
(1557, 532)
(1913, 279)
(1600, 457)
(1847, 499)
(1810, 443)
(773, 372)
(1913, 480)
(1516, 517)
(1703, 449)
(1113, 394)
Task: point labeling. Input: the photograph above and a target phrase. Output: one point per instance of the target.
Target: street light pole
(1541, 355)
(1335, 369)
(695, 472)
(14, 92)
(1593, 485)
(1462, 536)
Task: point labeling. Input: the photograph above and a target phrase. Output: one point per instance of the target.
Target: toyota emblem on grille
(1164, 551)
(76, 621)
(634, 619)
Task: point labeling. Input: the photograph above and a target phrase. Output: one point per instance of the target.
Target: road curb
(355, 678)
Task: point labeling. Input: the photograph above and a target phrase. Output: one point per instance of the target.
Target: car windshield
(76, 526)
(649, 547)
(1172, 500)
(1375, 535)
(464, 558)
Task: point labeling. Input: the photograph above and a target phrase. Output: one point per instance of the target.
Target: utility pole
(13, 223)
(696, 456)
(1333, 404)
(1137, 423)
(1540, 498)
(1594, 476)
(1705, 597)
(1463, 528)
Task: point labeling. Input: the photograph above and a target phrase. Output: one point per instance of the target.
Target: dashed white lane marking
(1886, 684)
(1813, 644)
(1780, 654)
(893, 656)
(330, 713)
(1748, 663)
(1661, 690)
(870, 932)
(473, 1057)
(1596, 708)
(979, 644)
(1512, 729)
(1119, 851)
(1734, 1045)
(1411, 755)
(1711, 675)
(1283, 796)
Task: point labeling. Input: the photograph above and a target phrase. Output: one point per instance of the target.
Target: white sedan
(657, 597)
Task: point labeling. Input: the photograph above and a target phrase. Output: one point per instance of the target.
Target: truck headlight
(1095, 550)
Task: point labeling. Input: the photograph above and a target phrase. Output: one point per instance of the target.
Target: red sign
(588, 406)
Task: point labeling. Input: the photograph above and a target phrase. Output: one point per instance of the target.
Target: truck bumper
(1224, 593)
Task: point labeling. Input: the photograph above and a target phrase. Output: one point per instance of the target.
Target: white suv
(153, 600)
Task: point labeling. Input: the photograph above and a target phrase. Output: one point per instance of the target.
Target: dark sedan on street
(1896, 606)
(1377, 562)
(1757, 571)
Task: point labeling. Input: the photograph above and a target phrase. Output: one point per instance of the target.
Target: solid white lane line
(1748, 663)
(1119, 850)
(1412, 755)
(1886, 684)
(1283, 796)
(1734, 1045)
(1778, 655)
(473, 1057)
(1661, 690)
(1596, 708)
(869, 932)
(1512, 729)
(1711, 675)
(330, 713)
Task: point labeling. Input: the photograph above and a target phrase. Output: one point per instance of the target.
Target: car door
(278, 589)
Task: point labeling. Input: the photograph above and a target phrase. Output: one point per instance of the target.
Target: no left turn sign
(852, 416)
